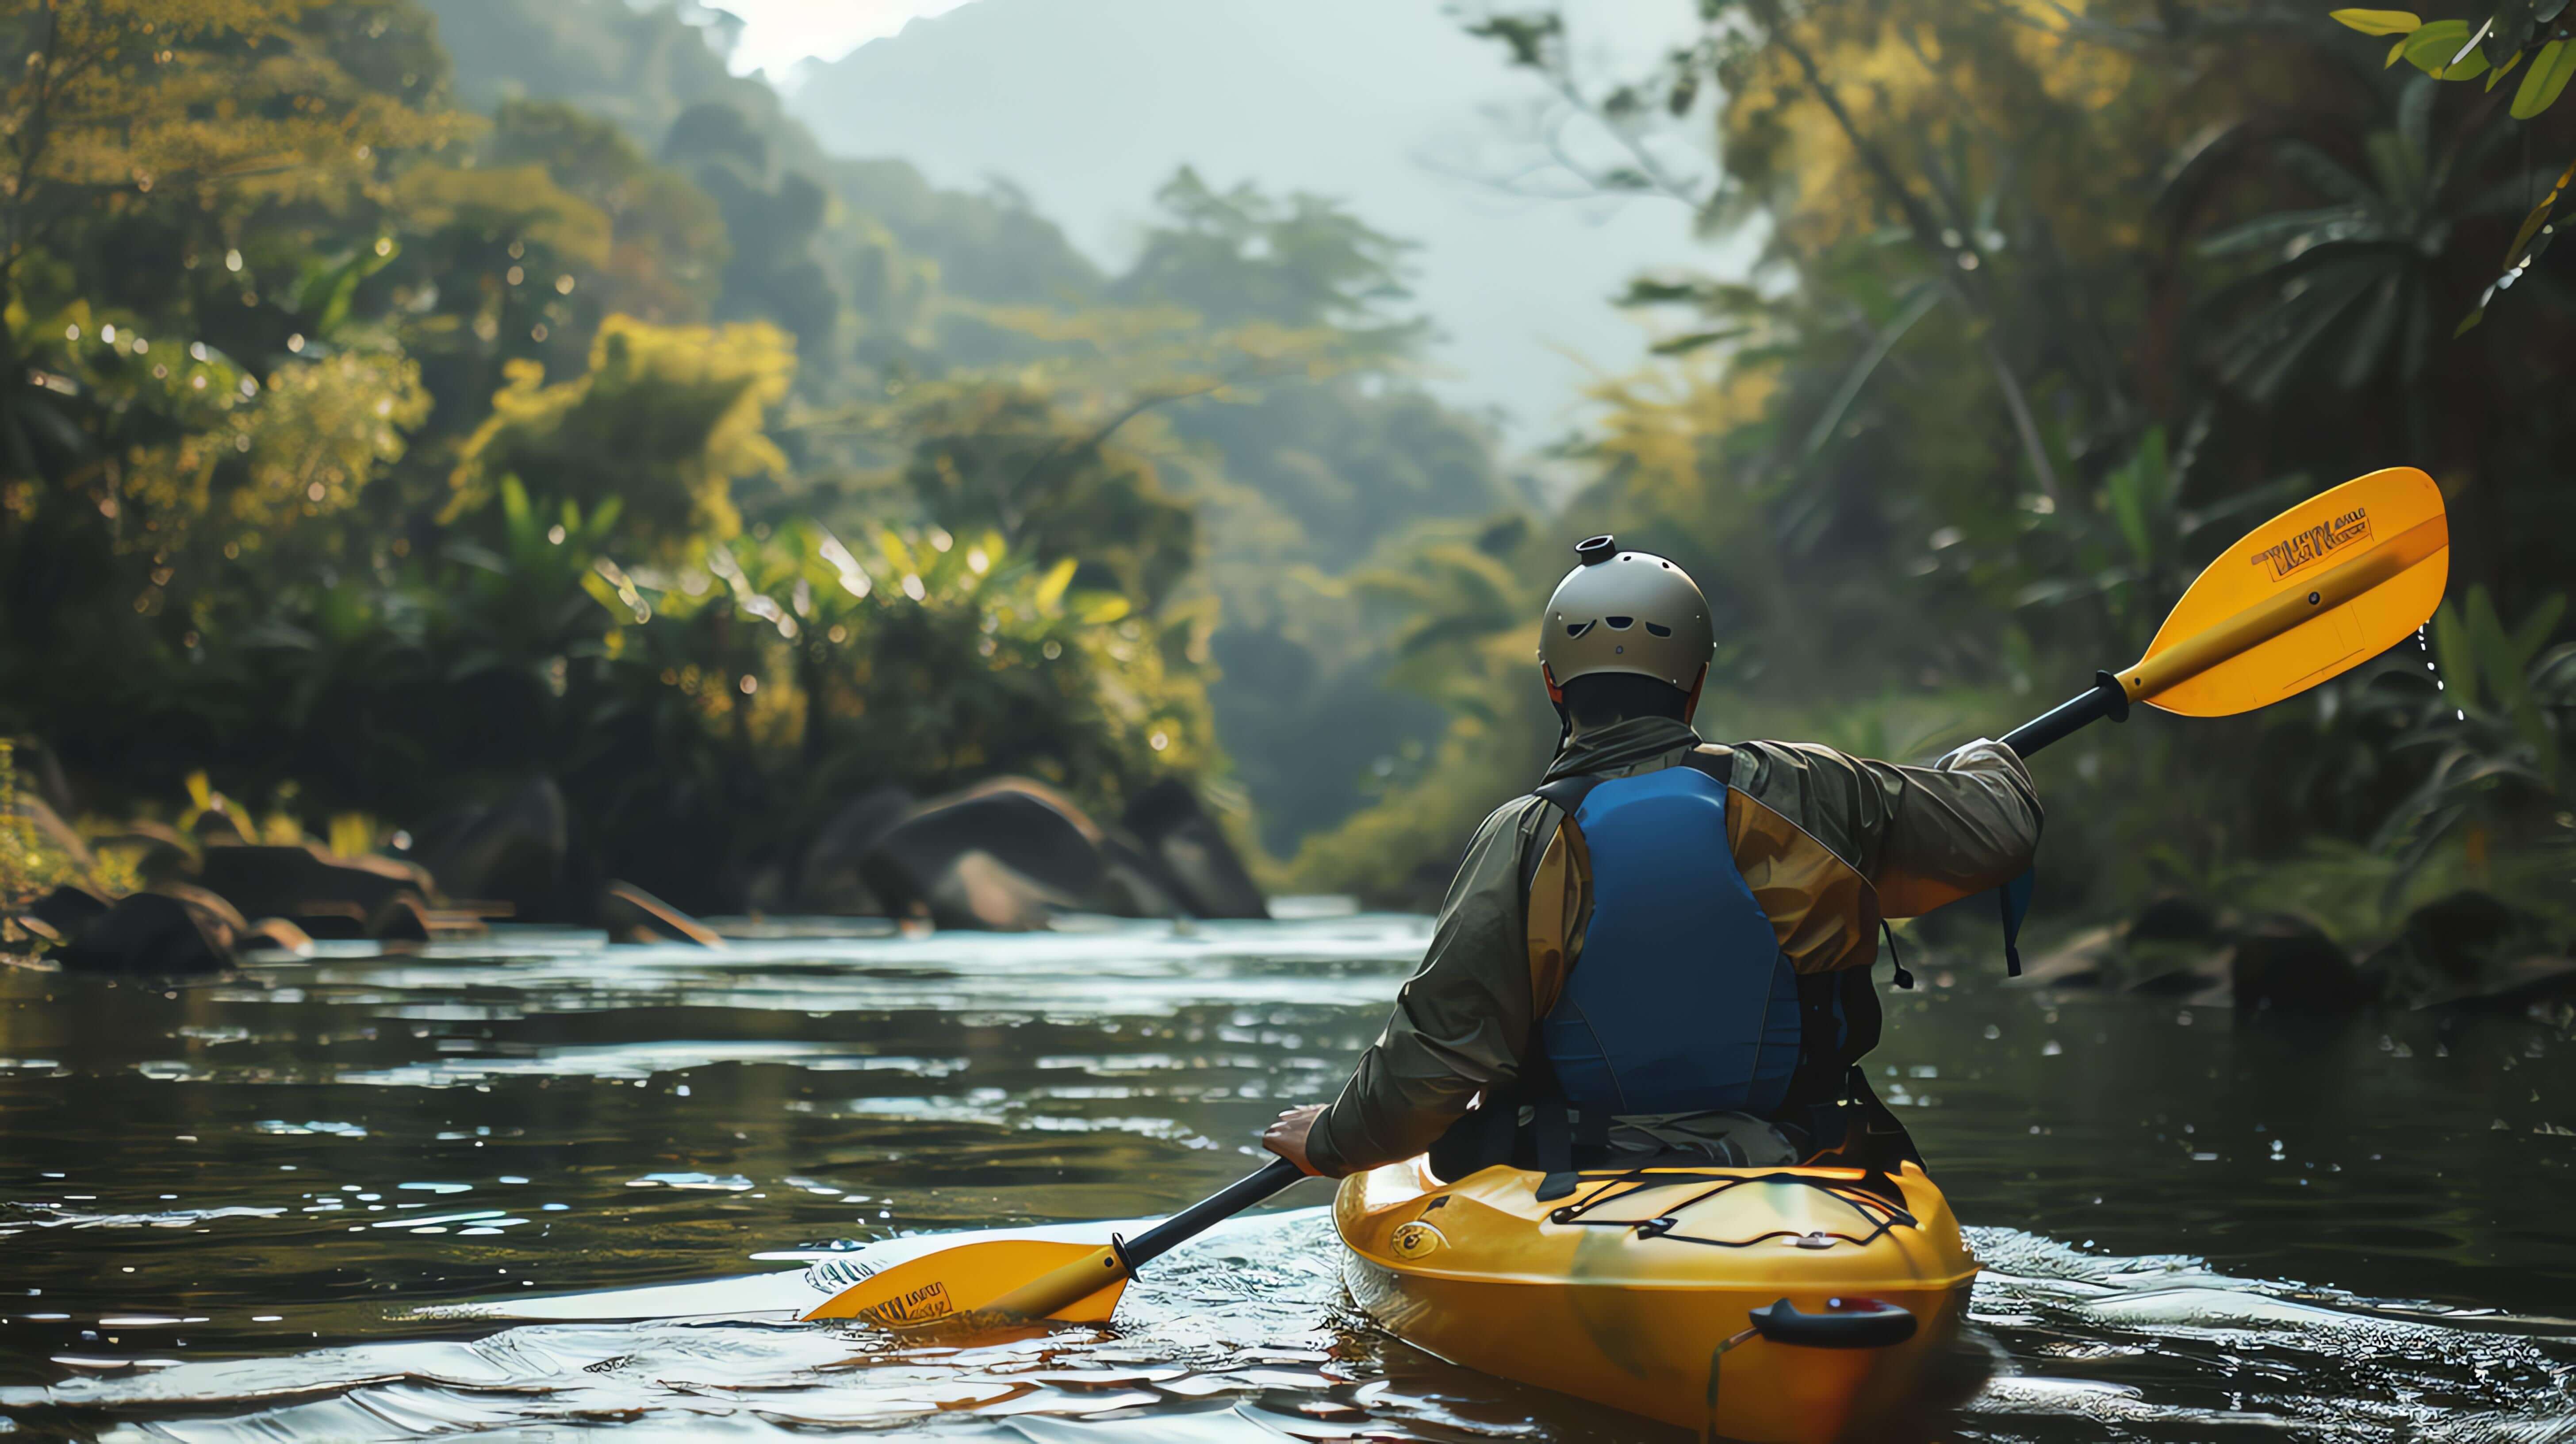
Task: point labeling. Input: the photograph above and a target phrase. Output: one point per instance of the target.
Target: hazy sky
(1087, 106)
(778, 33)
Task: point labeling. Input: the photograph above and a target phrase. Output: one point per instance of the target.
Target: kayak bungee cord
(1874, 1206)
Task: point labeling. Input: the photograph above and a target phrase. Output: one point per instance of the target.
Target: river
(369, 1197)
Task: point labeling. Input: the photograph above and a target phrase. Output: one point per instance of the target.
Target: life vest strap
(1563, 1136)
(1568, 792)
(1553, 1138)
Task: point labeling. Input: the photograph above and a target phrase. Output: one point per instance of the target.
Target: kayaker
(1664, 951)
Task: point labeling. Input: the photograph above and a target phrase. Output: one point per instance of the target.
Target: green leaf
(1051, 587)
(1694, 340)
(2467, 67)
(2487, 634)
(2550, 71)
(2379, 22)
(2432, 47)
(2501, 71)
(1099, 609)
(2534, 632)
(515, 511)
(2137, 493)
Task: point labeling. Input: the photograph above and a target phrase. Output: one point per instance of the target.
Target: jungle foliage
(2054, 302)
(425, 394)
(421, 398)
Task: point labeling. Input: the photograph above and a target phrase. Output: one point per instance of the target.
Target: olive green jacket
(1828, 843)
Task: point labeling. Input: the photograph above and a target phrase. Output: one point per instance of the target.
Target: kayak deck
(1624, 1291)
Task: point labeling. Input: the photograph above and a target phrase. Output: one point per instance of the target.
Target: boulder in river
(293, 881)
(1032, 852)
(60, 915)
(1009, 853)
(2173, 948)
(632, 915)
(332, 922)
(402, 918)
(1195, 859)
(978, 890)
(2175, 918)
(1134, 883)
(275, 935)
(832, 877)
(176, 930)
(2287, 963)
(2473, 949)
(220, 825)
(509, 852)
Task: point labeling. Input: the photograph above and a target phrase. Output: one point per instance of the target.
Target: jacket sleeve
(1460, 1022)
(1923, 836)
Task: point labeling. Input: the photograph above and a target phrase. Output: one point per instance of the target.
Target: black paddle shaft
(1234, 1198)
(2105, 698)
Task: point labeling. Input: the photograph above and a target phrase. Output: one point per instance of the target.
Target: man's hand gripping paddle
(2309, 595)
(1029, 1279)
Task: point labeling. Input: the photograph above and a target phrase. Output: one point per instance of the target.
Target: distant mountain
(643, 67)
(638, 67)
(1088, 108)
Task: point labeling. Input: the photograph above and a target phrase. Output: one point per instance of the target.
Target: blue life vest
(1681, 999)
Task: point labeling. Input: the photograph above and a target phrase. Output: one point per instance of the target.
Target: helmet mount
(1625, 611)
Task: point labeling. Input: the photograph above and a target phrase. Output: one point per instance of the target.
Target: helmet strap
(1556, 699)
(1690, 709)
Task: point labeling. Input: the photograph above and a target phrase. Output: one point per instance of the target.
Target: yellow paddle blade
(2310, 594)
(961, 1280)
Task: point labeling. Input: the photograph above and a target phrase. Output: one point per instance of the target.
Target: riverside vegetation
(489, 432)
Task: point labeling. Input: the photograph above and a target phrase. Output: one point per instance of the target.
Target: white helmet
(1623, 611)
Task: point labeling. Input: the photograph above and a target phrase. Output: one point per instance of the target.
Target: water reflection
(562, 1188)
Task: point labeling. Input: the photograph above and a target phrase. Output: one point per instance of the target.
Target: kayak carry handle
(1845, 1324)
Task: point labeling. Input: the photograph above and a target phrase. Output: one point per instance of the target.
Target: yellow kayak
(1655, 1290)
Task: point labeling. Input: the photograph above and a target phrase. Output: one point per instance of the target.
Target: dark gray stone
(2471, 949)
(2172, 917)
(832, 877)
(1001, 855)
(276, 935)
(974, 889)
(177, 930)
(1197, 862)
(2288, 964)
(269, 880)
(61, 915)
(509, 852)
(402, 918)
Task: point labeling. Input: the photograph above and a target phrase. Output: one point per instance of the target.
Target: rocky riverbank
(1008, 854)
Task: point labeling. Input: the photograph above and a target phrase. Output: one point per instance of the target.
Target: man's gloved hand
(1951, 759)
